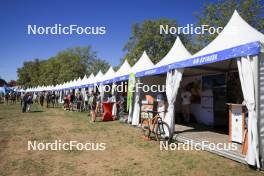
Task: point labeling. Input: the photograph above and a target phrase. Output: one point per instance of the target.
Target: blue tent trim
(248, 49)
(242, 50)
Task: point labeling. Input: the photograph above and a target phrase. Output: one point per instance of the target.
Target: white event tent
(143, 63)
(239, 41)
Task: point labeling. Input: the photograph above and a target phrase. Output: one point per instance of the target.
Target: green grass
(126, 152)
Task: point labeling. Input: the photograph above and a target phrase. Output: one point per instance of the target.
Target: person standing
(92, 104)
(186, 102)
(21, 99)
(53, 98)
(41, 99)
(120, 101)
(48, 99)
(7, 98)
(29, 102)
(86, 98)
(57, 97)
(98, 103)
(24, 101)
(79, 102)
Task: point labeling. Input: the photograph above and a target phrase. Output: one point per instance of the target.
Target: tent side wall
(260, 106)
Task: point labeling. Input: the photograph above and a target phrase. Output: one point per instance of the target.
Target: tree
(146, 36)
(218, 14)
(65, 66)
(12, 83)
(95, 65)
(28, 75)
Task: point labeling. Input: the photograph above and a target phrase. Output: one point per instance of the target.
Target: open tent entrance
(213, 87)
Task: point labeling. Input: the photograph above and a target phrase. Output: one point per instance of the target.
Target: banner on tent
(121, 78)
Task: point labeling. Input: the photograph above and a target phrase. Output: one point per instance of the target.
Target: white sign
(237, 129)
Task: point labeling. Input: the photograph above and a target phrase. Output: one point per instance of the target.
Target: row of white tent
(237, 40)
(237, 32)
(100, 78)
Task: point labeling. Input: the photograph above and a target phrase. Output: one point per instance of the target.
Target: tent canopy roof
(109, 74)
(98, 77)
(142, 64)
(178, 52)
(236, 32)
(123, 70)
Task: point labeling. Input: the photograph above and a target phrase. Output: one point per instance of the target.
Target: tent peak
(143, 62)
(236, 12)
(236, 32)
(99, 73)
(178, 52)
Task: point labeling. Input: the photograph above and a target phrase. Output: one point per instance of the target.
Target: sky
(16, 46)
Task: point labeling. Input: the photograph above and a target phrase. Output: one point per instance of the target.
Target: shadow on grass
(104, 121)
(36, 111)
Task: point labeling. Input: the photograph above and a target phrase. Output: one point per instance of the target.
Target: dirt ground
(126, 152)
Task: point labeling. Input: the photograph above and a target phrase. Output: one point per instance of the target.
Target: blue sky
(16, 46)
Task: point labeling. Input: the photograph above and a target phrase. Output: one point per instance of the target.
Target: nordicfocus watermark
(190, 29)
(203, 145)
(71, 145)
(59, 29)
(122, 87)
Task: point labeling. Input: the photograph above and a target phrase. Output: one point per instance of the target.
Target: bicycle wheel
(162, 131)
(145, 127)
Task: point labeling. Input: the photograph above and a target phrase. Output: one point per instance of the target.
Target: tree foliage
(146, 36)
(65, 66)
(97, 64)
(12, 83)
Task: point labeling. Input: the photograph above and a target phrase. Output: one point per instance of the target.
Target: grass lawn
(126, 152)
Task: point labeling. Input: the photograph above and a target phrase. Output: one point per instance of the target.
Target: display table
(107, 116)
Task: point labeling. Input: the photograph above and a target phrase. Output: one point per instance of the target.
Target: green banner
(130, 90)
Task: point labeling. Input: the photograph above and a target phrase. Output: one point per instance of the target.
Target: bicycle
(157, 126)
